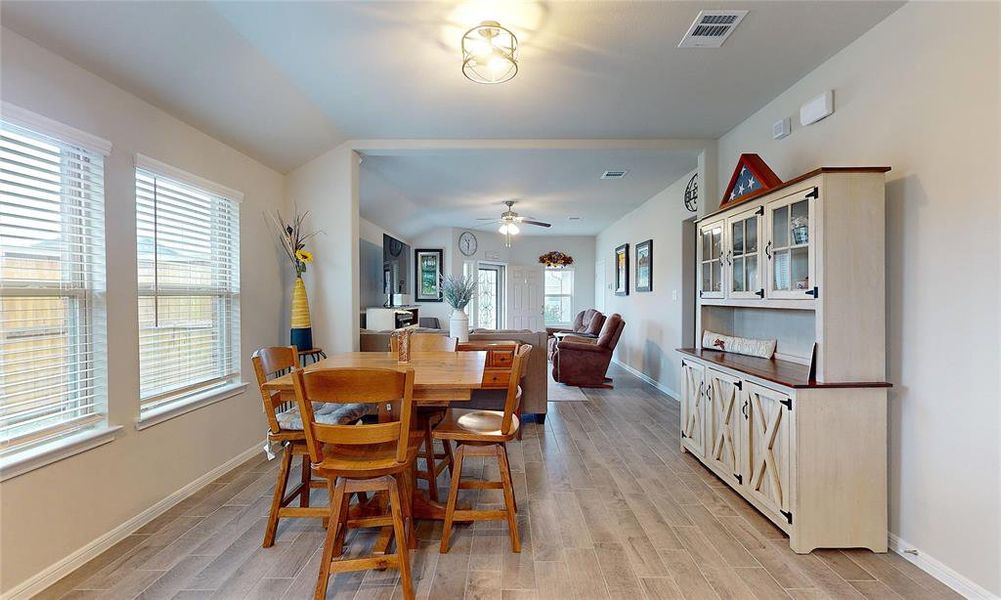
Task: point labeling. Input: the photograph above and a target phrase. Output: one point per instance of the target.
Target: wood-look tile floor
(608, 508)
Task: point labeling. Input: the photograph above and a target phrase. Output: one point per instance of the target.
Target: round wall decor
(692, 194)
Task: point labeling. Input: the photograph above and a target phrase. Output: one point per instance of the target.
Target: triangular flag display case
(751, 178)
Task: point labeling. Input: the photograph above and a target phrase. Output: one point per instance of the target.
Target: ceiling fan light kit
(510, 221)
(489, 53)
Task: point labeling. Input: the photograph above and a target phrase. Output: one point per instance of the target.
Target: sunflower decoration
(293, 238)
(556, 259)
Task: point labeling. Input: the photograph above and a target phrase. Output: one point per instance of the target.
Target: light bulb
(497, 65)
(503, 228)
(513, 229)
(481, 49)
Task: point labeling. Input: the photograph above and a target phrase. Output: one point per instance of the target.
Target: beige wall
(49, 513)
(919, 92)
(653, 319)
(327, 186)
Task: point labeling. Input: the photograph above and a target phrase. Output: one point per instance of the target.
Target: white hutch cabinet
(801, 436)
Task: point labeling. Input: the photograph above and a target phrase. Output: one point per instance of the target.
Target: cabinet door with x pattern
(768, 416)
(724, 425)
(693, 404)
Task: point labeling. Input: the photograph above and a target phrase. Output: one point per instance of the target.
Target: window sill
(56, 450)
(183, 406)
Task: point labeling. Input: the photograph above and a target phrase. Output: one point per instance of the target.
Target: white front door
(526, 297)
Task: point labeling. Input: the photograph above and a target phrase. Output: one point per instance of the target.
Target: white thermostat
(780, 129)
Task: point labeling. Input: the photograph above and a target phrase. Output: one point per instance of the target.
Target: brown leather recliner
(583, 361)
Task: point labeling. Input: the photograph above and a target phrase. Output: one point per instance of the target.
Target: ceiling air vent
(711, 28)
(614, 174)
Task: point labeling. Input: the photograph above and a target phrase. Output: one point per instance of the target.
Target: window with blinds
(188, 247)
(53, 375)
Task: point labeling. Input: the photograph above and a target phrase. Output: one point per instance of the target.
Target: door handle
(768, 249)
(743, 409)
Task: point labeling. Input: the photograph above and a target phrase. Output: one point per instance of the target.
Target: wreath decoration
(556, 259)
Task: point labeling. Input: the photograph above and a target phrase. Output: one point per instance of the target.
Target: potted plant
(293, 239)
(458, 292)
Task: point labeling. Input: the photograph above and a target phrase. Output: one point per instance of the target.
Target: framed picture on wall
(644, 266)
(622, 270)
(428, 267)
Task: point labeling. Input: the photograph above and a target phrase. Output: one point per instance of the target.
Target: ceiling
(285, 81)
(454, 188)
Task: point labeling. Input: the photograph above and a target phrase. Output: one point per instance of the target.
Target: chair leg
(507, 461)
(276, 499)
(342, 524)
(304, 477)
(407, 486)
(402, 543)
(453, 496)
(429, 461)
(512, 520)
(336, 500)
(447, 445)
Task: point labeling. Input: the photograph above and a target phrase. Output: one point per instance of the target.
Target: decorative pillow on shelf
(737, 345)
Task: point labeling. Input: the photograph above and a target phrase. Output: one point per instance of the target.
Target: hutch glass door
(790, 247)
(744, 255)
(711, 260)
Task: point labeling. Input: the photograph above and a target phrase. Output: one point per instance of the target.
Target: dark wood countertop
(782, 372)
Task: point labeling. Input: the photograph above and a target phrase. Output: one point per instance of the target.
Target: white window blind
(188, 250)
(53, 371)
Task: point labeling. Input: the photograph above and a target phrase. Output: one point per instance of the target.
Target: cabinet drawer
(500, 358)
(495, 379)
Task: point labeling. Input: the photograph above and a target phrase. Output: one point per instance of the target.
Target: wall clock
(467, 243)
(692, 194)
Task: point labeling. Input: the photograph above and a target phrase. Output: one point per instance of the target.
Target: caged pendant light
(489, 53)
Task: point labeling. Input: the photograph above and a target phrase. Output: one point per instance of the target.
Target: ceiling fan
(510, 220)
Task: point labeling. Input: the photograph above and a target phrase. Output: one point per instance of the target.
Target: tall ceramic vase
(458, 325)
(301, 335)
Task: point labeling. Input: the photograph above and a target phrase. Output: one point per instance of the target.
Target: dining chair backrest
(425, 342)
(271, 362)
(511, 402)
(348, 385)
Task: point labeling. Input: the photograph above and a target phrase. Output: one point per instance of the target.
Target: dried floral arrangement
(293, 238)
(458, 291)
(556, 259)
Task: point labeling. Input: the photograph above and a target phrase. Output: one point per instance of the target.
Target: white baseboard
(53, 573)
(938, 570)
(660, 386)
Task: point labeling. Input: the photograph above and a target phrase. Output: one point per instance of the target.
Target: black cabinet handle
(743, 409)
(768, 249)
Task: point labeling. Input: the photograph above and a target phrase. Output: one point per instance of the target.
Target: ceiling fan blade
(539, 223)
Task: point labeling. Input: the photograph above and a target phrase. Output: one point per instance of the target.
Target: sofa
(583, 361)
(535, 384)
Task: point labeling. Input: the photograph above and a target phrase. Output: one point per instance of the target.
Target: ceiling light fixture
(509, 229)
(489, 53)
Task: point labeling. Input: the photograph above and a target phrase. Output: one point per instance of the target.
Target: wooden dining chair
(364, 457)
(285, 429)
(434, 462)
(485, 433)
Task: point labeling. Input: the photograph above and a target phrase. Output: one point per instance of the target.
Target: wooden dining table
(440, 378)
